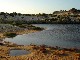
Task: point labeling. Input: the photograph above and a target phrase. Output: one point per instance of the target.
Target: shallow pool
(18, 52)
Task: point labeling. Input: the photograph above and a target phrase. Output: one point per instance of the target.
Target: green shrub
(22, 26)
(37, 28)
(10, 35)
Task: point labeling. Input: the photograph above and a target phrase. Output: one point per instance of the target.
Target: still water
(62, 35)
(18, 52)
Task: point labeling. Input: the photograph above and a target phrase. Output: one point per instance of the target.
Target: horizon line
(39, 12)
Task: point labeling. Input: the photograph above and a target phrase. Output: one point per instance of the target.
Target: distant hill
(62, 16)
(72, 11)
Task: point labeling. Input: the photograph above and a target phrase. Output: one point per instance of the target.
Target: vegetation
(22, 26)
(10, 35)
(37, 28)
(62, 16)
(31, 27)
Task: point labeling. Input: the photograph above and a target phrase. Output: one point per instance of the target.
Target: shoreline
(19, 33)
(41, 52)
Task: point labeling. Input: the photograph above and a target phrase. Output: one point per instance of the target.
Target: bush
(22, 26)
(37, 28)
(10, 35)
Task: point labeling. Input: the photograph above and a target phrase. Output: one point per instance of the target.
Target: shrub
(9, 35)
(37, 28)
(22, 26)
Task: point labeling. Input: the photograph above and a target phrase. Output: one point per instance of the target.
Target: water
(18, 52)
(62, 35)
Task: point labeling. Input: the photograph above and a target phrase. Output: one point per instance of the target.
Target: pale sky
(37, 6)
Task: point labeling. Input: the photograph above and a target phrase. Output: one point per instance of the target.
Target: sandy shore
(19, 32)
(26, 31)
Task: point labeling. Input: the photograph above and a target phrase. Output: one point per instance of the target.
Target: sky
(37, 6)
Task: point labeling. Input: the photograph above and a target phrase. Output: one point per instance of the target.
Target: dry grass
(38, 53)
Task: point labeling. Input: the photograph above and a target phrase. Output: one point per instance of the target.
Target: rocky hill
(62, 16)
